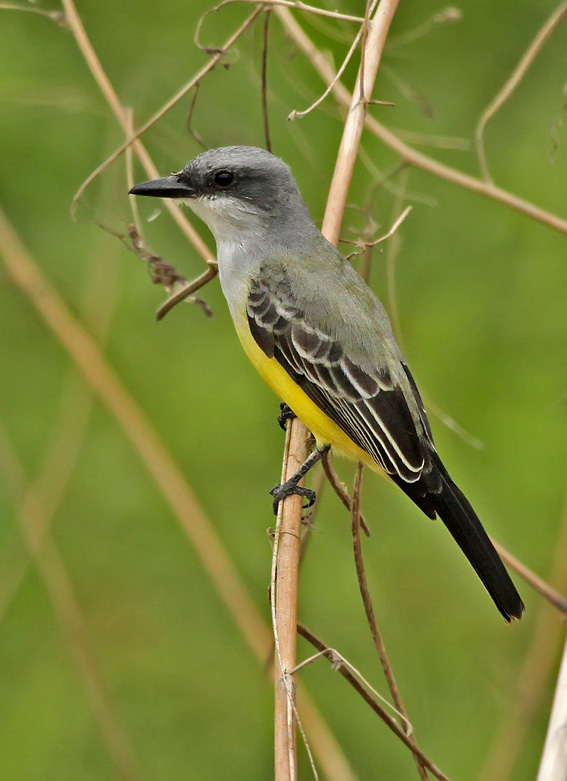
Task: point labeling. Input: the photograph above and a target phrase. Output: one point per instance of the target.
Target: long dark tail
(454, 509)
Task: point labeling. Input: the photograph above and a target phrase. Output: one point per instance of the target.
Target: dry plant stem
(376, 707)
(337, 659)
(134, 203)
(68, 613)
(170, 481)
(407, 153)
(532, 682)
(447, 15)
(433, 140)
(410, 155)
(392, 253)
(284, 3)
(341, 70)
(55, 16)
(284, 589)
(553, 766)
(121, 115)
(188, 290)
(308, 523)
(354, 124)
(265, 113)
(285, 755)
(519, 72)
(538, 584)
(371, 616)
(533, 679)
(338, 488)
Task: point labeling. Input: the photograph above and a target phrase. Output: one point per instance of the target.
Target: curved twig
(517, 75)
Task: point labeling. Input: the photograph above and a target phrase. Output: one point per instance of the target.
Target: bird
(319, 336)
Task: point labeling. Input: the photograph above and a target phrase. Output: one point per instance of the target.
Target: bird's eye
(224, 178)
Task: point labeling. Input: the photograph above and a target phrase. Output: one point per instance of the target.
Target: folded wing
(368, 405)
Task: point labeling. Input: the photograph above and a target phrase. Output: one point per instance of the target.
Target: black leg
(290, 487)
(286, 413)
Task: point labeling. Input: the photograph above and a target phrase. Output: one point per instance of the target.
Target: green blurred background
(480, 292)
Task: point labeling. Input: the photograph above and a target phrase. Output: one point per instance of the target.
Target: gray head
(234, 188)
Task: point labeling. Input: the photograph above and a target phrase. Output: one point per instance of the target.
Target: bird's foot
(286, 413)
(290, 488)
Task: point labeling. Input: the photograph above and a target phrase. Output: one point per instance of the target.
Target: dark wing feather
(369, 407)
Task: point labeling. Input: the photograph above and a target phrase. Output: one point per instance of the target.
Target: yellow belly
(323, 428)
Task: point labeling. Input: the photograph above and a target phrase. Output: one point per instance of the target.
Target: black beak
(167, 187)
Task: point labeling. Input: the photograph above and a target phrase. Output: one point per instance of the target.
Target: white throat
(241, 239)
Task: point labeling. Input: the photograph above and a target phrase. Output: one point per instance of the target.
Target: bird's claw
(286, 413)
(283, 490)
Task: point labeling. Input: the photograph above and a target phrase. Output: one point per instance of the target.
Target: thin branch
(392, 254)
(163, 273)
(187, 291)
(192, 132)
(298, 114)
(432, 140)
(309, 518)
(558, 601)
(365, 244)
(410, 155)
(534, 677)
(517, 75)
(411, 95)
(354, 123)
(296, 5)
(284, 597)
(286, 762)
(370, 614)
(370, 8)
(55, 16)
(340, 490)
(119, 112)
(451, 423)
(376, 707)
(264, 89)
(134, 202)
(407, 153)
(447, 15)
(337, 660)
(384, 179)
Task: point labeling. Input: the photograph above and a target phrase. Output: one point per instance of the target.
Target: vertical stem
(265, 113)
(553, 765)
(285, 562)
(354, 124)
(285, 577)
(371, 616)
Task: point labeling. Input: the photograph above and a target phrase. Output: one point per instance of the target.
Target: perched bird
(321, 339)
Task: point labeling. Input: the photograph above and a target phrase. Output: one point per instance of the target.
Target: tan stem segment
(289, 524)
(348, 150)
(288, 544)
